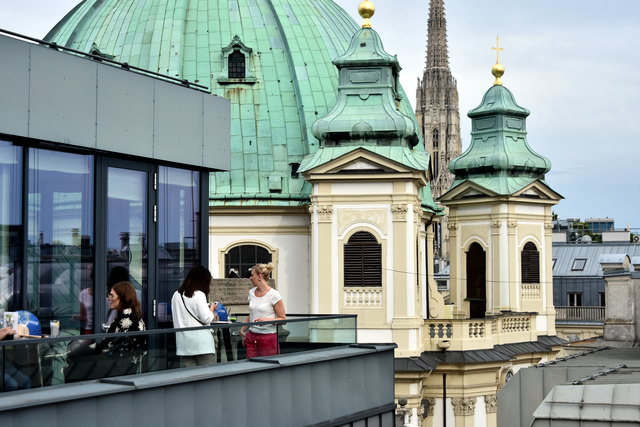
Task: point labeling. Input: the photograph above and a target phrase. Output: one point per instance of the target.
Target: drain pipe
(444, 400)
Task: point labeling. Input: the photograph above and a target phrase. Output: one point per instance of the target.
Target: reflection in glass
(178, 225)
(10, 225)
(59, 235)
(127, 227)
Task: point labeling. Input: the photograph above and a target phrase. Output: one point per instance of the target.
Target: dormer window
(236, 63)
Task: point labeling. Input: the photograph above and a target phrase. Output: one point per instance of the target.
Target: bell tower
(500, 216)
(370, 206)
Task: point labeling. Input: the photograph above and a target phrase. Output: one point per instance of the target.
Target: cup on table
(55, 327)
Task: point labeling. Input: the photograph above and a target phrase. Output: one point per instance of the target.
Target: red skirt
(261, 344)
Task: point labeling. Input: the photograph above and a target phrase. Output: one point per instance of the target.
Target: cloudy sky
(574, 63)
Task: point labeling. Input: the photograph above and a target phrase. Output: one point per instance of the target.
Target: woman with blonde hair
(265, 303)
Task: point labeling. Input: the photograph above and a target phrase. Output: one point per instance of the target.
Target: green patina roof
(368, 113)
(499, 157)
(293, 81)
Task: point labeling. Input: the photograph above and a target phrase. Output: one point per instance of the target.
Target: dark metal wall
(339, 386)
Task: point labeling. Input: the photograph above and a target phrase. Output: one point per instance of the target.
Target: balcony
(584, 313)
(580, 323)
(476, 334)
(313, 381)
(44, 362)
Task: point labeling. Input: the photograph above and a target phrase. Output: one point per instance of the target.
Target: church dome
(271, 58)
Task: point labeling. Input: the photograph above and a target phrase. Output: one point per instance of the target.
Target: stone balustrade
(472, 334)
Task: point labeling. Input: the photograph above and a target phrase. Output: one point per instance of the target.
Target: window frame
(576, 297)
(530, 264)
(575, 267)
(365, 246)
(236, 46)
(227, 265)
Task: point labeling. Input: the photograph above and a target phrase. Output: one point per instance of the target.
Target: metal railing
(591, 313)
(27, 363)
(111, 61)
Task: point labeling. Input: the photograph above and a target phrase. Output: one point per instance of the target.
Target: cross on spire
(498, 49)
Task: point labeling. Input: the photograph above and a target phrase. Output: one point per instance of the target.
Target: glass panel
(10, 226)
(32, 363)
(178, 235)
(127, 231)
(60, 239)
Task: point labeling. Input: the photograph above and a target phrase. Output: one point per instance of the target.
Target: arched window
(530, 262)
(237, 65)
(241, 258)
(476, 281)
(362, 260)
(436, 139)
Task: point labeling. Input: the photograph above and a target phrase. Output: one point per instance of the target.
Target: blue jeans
(14, 379)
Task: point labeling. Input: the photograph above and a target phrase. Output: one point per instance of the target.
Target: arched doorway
(476, 281)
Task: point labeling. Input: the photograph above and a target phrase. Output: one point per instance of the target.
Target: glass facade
(10, 225)
(59, 236)
(179, 219)
(89, 220)
(127, 228)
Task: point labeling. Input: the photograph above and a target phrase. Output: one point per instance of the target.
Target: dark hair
(198, 279)
(128, 298)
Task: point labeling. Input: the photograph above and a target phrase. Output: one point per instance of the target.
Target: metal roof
(609, 395)
(599, 387)
(429, 360)
(294, 81)
(564, 255)
(499, 157)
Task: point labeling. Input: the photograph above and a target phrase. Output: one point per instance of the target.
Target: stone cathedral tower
(437, 112)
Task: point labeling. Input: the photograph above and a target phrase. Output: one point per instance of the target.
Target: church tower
(501, 317)
(437, 112)
(370, 202)
(500, 216)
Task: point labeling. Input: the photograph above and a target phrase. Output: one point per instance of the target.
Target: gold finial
(498, 69)
(366, 10)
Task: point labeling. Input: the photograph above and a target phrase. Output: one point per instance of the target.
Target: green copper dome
(271, 58)
(499, 157)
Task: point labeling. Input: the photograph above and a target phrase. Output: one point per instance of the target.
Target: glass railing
(27, 363)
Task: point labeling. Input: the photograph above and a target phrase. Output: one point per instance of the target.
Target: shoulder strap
(185, 306)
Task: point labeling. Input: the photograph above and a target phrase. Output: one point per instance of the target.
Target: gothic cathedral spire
(437, 109)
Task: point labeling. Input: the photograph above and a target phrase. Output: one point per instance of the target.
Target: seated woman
(128, 350)
(13, 378)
